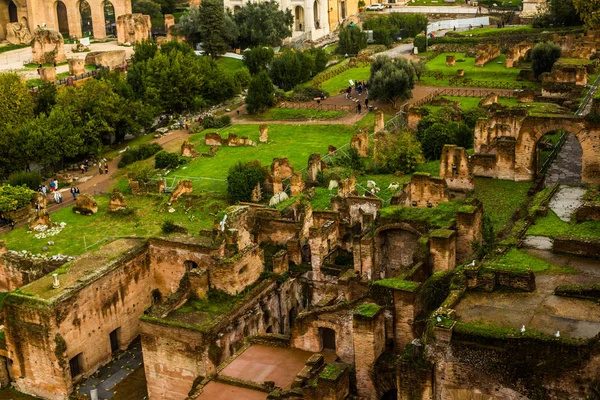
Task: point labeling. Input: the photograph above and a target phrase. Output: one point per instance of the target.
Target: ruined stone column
(98, 23)
(264, 133)
(369, 343)
(379, 121)
(4, 378)
(443, 249)
(314, 166)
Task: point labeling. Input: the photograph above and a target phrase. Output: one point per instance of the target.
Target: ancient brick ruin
(486, 53)
(47, 46)
(133, 28)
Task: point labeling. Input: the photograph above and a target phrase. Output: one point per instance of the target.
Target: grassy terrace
(339, 82)
(517, 260)
(442, 216)
(494, 70)
(80, 269)
(552, 226)
(290, 114)
(500, 198)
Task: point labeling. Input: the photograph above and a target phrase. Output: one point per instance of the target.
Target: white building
(310, 16)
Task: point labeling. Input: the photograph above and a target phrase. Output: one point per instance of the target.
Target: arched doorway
(87, 28)
(236, 9)
(299, 18)
(559, 156)
(62, 18)
(190, 265)
(12, 12)
(109, 19)
(343, 9)
(316, 14)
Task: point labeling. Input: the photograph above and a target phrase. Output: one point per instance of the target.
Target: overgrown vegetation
(142, 152)
(242, 179)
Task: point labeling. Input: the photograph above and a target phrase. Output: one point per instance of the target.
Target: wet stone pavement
(566, 168)
(106, 378)
(566, 201)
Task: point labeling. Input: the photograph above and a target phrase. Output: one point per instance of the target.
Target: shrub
(14, 197)
(242, 179)
(242, 77)
(306, 93)
(543, 57)
(142, 152)
(30, 179)
(435, 137)
(399, 152)
(142, 174)
(258, 59)
(166, 160)
(420, 43)
(169, 226)
(352, 160)
(211, 122)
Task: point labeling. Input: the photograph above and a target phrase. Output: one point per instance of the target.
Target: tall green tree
(258, 58)
(242, 179)
(212, 27)
(260, 93)
(391, 80)
(352, 40)
(589, 11)
(263, 24)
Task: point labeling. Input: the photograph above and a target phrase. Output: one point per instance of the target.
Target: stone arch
(534, 128)
(316, 12)
(110, 19)
(395, 248)
(62, 17)
(85, 13)
(299, 19)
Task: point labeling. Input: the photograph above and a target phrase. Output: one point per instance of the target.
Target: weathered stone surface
(296, 183)
(488, 100)
(424, 190)
(526, 96)
(212, 139)
(47, 46)
(515, 53)
(18, 33)
(117, 201)
(379, 121)
(264, 133)
(360, 141)
(112, 59)
(455, 168)
(48, 74)
(314, 167)
(450, 60)
(486, 53)
(133, 28)
(76, 66)
(183, 187)
(460, 73)
(85, 205)
(188, 149)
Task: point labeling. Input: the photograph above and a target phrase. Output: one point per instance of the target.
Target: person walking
(59, 197)
(56, 198)
(367, 103)
(76, 192)
(73, 192)
(358, 108)
(44, 190)
(106, 168)
(100, 167)
(86, 164)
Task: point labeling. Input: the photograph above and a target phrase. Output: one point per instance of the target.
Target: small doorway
(75, 364)
(12, 12)
(292, 317)
(327, 338)
(114, 340)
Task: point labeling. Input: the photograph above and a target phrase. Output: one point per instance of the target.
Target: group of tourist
(100, 164)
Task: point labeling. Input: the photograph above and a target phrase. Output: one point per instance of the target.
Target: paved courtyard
(540, 310)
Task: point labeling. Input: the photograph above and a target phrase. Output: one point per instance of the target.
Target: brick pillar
(369, 343)
(406, 309)
(443, 249)
(98, 20)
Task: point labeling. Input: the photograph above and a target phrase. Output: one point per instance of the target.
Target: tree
(435, 137)
(352, 40)
(174, 44)
(189, 24)
(242, 179)
(589, 11)
(419, 67)
(143, 51)
(45, 98)
(263, 24)
(151, 8)
(420, 42)
(286, 70)
(399, 152)
(260, 93)
(212, 27)
(543, 57)
(258, 58)
(391, 80)
(321, 59)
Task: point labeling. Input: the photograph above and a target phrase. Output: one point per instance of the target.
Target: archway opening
(190, 265)
(390, 395)
(12, 12)
(316, 14)
(299, 18)
(87, 27)
(559, 156)
(327, 338)
(236, 9)
(62, 18)
(110, 20)
(291, 317)
(270, 329)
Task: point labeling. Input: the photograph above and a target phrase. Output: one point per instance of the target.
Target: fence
(65, 81)
(466, 82)
(459, 92)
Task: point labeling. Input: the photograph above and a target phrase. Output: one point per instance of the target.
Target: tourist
(86, 164)
(73, 192)
(82, 169)
(44, 190)
(100, 167)
(367, 103)
(358, 108)
(59, 197)
(56, 197)
(76, 192)
(52, 186)
(55, 184)
(106, 168)
(12, 224)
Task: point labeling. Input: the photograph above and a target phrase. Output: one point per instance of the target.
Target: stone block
(117, 201)
(85, 205)
(133, 28)
(486, 53)
(18, 33)
(112, 59)
(76, 66)
(213, 139)
(263, 133)
(48, 74)
(314, 167)
(188, 149)
(360, 142)
(450, 60)
(183, 187)
(379, 121)
(47, 46)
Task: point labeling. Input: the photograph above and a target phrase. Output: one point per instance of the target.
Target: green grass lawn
(493, 31)
(518, 260)
(230, 64)
(149, 213)
(339, 82)
(10, 47)
(500, 198)
(494, 70)
(468, 103)
(296, 142)
(291, 114)
(552, 226)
